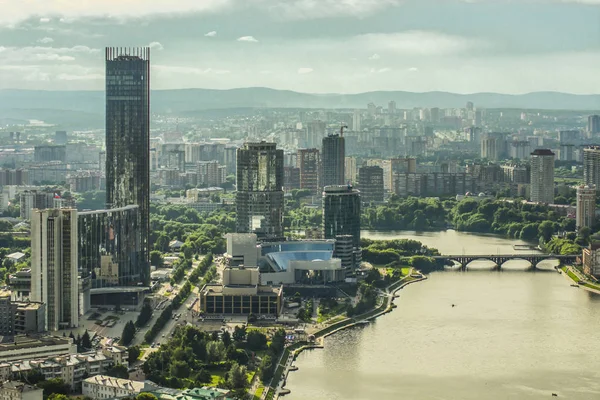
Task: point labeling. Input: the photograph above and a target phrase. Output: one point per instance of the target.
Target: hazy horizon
(307, 46)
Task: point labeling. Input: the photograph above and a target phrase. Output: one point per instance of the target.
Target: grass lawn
(216, 377)
(258, 393)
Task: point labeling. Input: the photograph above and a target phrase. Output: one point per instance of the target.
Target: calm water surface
(512, 335)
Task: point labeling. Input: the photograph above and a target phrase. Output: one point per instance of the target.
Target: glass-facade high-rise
(128, 139)
(259, 196)
(334, 158)
(109, 246)
(341, 212)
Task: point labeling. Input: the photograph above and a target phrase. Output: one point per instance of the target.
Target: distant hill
(17, 103)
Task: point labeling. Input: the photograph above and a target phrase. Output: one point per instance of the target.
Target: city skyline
(346, 46)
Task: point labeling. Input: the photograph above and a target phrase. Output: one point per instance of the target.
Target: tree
(128, 333)
(145, 314)
(256, 340)
(34, 376)
(237, 377)
(156, 258)
(529, 232)
(55, 385)
(546, 230)
(180, 369)
(133, 353)
(118, 371)
(239, 333)
(215, 351)
(57, 396)
(266, 368)
(226, 338)
(145, 396)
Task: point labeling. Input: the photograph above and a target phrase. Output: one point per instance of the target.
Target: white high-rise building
(586, 206)
(356, 121)
(542, 176)
(54, 259)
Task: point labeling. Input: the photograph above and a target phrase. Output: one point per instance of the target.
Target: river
(511, 335)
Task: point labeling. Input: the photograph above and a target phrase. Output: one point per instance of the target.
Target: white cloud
(44, 20)
(413, 69)
(305, 70)
(247, 39)
(426, 43)
(83, 77)
(45, 40)
(18, 55)
(211, 34)
(305, 9)
(375, 57)
(156, 46)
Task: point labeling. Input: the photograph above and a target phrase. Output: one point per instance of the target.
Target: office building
(128, 138)
(54, 259)
(566, 153)
(586, 206)
(341, 212)
(309, 162)
(593, 127)
(109, 246)
(333, 159)
(370, 183)
(392, 107)
(259, 196)
(591, 166)
(241, 293)
(20, 284)
(542, 176)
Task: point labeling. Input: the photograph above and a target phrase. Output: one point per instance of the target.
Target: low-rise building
(14, 390)
(107, 387)
(28, 348)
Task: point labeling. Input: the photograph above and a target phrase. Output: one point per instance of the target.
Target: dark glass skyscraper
(333, 156)
(128, 138)
(259, 196)
(341, 212)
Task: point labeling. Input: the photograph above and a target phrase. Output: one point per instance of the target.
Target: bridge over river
(500, 259)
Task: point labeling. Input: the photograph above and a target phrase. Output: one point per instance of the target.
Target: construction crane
(342, 130)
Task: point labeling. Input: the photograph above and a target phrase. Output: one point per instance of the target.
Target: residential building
(211, 173)
(54, 262)
(47, 153)
(350, 170)
(433, 184)
(591, 166)
(15, 390)
(586, 206)
(591, 259)
(7, 317)
(128, 138)
(356, 121)
(259, 196)
(31, 199)
(593, 127)
(20, 284)
(29, 317)
(542, 176)
(291, 178)
(333, 159)
(106, 387)
(309, 162)
(493, 146)
(60, 137)
(371, 184)
(341, 212)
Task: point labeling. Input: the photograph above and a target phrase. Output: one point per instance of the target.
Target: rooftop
(118, 383)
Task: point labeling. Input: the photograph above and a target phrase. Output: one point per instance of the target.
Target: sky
(316, 46)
